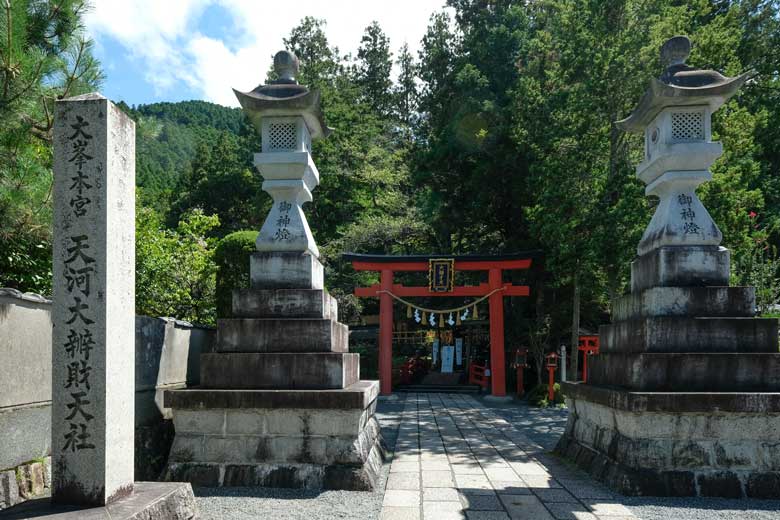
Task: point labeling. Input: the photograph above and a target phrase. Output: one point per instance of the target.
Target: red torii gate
(494, 265)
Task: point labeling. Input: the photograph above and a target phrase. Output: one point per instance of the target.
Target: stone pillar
(93, 311)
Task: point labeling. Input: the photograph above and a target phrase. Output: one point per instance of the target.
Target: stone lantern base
(314, 439)
(281, 403)
(717, 444)
(684, 396)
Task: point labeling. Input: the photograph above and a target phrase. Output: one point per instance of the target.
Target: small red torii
(387, 265)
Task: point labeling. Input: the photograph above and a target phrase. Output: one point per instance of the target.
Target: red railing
(477, 376)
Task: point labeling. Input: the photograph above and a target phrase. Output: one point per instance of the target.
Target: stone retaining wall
(167, 354)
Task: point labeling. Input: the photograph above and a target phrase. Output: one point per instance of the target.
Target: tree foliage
(175, 268)
(231, 257)
(498, 136)
(44, 56)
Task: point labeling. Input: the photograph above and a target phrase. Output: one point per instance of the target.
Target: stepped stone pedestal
(684, 397)
(281, 403)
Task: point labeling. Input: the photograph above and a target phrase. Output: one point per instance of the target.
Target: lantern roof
(681, 85)
(285, 97)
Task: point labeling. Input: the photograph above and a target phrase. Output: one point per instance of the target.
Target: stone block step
(284, 303)
(357, 396)
(149, 500)
(686, 301)
(281, 335)
(439, 389)
(757, 403)
(285, 270)
(681, 266)
(689, 372)
(317, 477)
(301, 371)
(246, 442)
(684, 334)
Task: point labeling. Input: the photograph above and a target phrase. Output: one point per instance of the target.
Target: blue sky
(173, 50)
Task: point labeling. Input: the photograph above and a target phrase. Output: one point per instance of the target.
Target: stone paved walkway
(457, 459)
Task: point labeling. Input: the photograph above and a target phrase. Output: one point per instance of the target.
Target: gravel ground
(545, 426)
(286, 504)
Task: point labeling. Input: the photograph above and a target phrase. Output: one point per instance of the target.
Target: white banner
(447, 357)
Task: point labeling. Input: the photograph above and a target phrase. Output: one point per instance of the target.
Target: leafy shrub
(25, 263)
(232, 259)
(175, 271)
(538, 395)
(369, 359)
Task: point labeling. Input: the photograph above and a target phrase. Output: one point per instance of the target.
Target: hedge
(232, 259)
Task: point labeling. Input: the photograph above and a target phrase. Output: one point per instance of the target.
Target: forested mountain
(498, 136)
(167, 138)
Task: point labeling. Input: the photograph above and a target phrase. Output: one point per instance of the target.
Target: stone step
(681, 266)
(284, 371)
(684, 334)
(315, 477)
(281, 335)
(284, 303)
(439, 389)
(686, 301)
(284, 436)
(758, 403)
(359, 395)
(285, 270)
(690, 372)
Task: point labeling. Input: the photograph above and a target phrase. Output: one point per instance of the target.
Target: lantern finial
(286, 66)
(675, 51)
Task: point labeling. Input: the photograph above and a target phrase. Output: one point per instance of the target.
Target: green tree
(373, 71)
(175, 269)
(319, 62)
(221, 181)
(405, 91)
(44, 56)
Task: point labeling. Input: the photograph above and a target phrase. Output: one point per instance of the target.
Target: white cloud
(149, 31)
(218, 70)
(162, 34)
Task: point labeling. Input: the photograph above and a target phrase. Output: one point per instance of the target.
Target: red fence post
(551, 385)
(552, 364)
(584, 366)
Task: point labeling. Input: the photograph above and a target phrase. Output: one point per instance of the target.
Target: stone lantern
(675, 115)
(288, 117)
(280, 401)
(683, 393)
